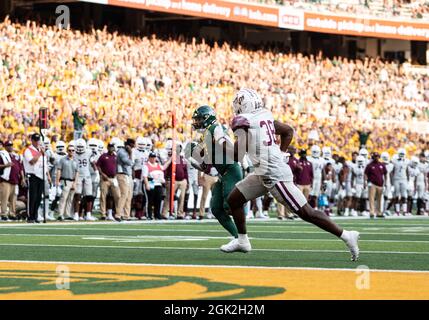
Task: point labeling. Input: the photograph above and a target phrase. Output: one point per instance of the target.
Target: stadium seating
(128, 86)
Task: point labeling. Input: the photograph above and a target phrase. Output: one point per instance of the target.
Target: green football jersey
(213, 152)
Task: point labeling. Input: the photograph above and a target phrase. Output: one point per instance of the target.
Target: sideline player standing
(256, 130)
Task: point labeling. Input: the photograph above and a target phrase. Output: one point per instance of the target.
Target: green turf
(400, 244)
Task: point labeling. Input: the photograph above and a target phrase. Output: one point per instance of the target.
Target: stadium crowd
(103, 85)
(386, 8)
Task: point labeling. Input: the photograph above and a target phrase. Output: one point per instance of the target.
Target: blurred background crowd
(125, 86)
(384, 8)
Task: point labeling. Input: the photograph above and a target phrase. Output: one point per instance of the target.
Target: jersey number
(83, 163)
(270, 131)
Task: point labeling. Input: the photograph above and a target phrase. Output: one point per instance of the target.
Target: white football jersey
(359, 172)
(412, 174)
(139, 158)
(400, 169)
(351, 165)
(83, 163)
(389, 169)
(263, 151)
(92, 159)
(423, 171)
(318, 165)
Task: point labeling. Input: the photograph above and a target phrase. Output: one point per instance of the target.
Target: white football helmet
(93, 145)
(401, 153)
(100, 146)
(414, 162)
(60, 148)
(427, 155)
(47, 144)
(169, 145)
(72, 143)
(385, 157)
(364, 153)
(247, 101)
(360, 160)
(80, 146)
(315, 151)
(326, 152)
(149, 144)
(117, 143)
(141, 144)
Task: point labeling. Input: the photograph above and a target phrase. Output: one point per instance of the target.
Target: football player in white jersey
(318, 164)
(140, 157)
(387, 193)
(358, 182)
(93, 145)
(255, 130)
(400, 178)
(83, 180)
(330, 182)
(412, 173)
(422, 183)
(60, 151)
(364, 202)
(349, 203)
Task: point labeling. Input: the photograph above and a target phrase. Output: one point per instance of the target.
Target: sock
(404, 207)
(347, 210)
(243, 238)
(88, 214)
(345, 235)
(397, 207)
(226, 221)
(109, 212)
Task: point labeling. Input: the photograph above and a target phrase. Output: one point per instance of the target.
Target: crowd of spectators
(127, 86)
(417, 9)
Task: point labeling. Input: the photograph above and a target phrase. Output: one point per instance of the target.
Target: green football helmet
(203, 117)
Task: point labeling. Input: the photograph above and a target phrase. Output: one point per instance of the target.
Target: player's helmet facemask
(203, 117)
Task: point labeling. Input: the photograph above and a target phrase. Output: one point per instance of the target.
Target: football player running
(209, 153)
(255, 130)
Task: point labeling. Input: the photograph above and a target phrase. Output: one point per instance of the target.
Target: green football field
(168, 248)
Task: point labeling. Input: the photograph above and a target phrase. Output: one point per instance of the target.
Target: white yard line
(347, 221)
(208, 266)
(205, 249)
(251, 230)
(160, 237)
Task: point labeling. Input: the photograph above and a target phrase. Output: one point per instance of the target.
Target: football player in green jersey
(208, 154)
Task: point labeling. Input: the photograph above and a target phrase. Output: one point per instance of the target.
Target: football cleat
(235, 246)
(352, 244)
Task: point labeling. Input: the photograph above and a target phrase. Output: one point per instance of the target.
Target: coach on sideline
(33, 165)
(376, 173)
(125, 179)
(66, 182)
(106, 165)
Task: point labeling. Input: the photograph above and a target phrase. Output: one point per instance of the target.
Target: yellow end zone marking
(298, 283)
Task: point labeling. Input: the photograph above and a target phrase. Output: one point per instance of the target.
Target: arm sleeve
(145, 171)
(125, 159)
(27, 155)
